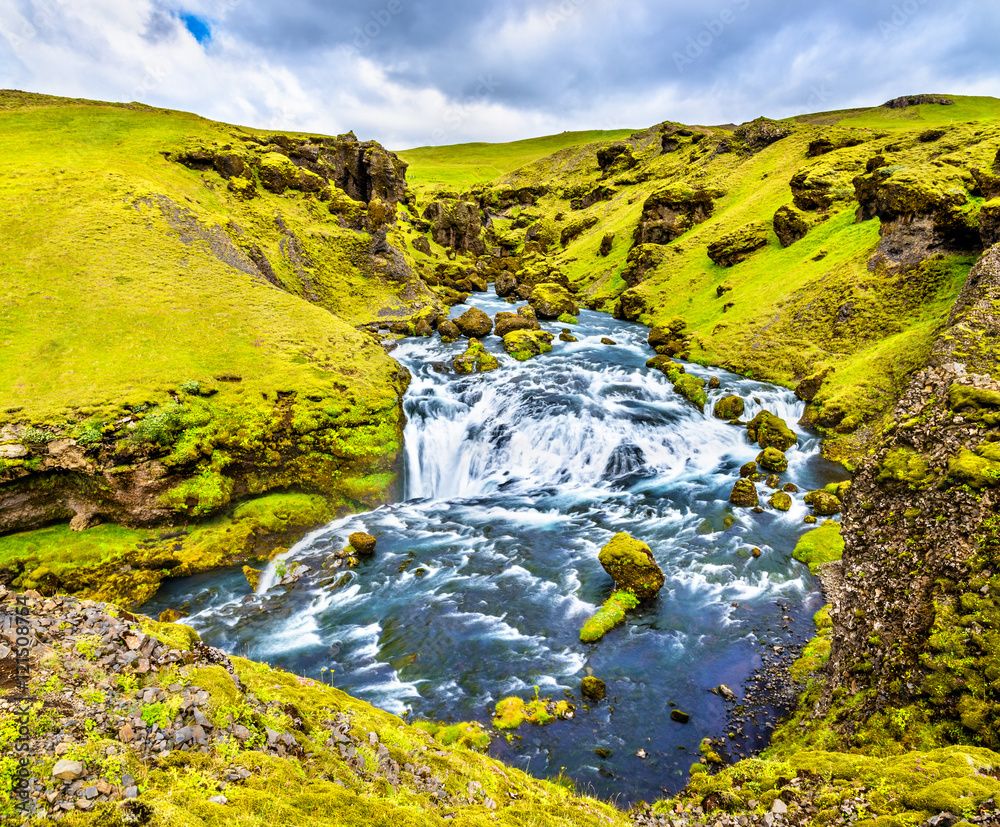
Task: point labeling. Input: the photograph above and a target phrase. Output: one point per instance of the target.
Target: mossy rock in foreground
(692, 388)
(771, 459)
(729, 407)
(744, 494)
(977, 469)
(523, 344)
(476, 359)
(631, 565)
(821, 545)
(770, 431)
(607, 617)
(824, 504)
(551, 301)
(780, 501)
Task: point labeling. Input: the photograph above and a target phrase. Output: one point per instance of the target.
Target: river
(486, 570)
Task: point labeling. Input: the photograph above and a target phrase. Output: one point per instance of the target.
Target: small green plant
(127, 683)
(157, 713)
(34, 436)
(87, 645)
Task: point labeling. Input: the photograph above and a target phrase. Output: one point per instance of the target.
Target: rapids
(486, 570)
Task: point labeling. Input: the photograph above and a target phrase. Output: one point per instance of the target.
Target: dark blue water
(484, 575)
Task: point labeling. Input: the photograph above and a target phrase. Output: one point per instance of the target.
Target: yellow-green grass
(103, 304)
(93, 562)
(819, 546)
(459, 166)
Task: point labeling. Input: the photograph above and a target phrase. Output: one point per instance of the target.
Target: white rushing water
(485, 572)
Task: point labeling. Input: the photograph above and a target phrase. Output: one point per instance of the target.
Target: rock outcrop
(673, 210)
(915, 623)
(739, 245)
(630, 563)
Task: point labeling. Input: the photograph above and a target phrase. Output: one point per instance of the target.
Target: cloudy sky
(414, 72)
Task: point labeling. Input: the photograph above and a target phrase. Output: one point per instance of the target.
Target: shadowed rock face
(921, 532)
(672, 211)
(456, 224)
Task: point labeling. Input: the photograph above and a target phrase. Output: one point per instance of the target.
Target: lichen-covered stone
(476, 359)
(744, 494)
(780, 501)
(550, 301)
(474, 323)
(592, 688)
(824, 504)
(736, 246)
(789, 225)
(770, 431)
(253, 576)
(748, 470)
(523, 344)
(523, 319)
(631, 565)
(671, 211)
(670, 339)
(729, 407)
(771, 459)
(448, 331)
(362, 542)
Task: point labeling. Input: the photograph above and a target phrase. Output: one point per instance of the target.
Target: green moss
(979, 469)
(692, 388)
(905, 465)
(611, 614)
(512, 712)
(468, 734)
(728, 407)
(631, 565)
(523, 344)
(821, 545)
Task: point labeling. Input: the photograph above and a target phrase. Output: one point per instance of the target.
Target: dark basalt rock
(744, 494)
(474, 323)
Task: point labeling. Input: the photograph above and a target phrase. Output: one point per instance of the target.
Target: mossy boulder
(362, 542)
(643, 260)
(759, 133)
(523, 319)
(253, 576)
(476, 359)
(821, 545)
(790, 224)
(592, 688)
(771, 459)
(631, 565)
(474, 323)
(989, 223)
(667, 366)
(823, 503)
(729, 407)
(906, 466)
(523, 344)
(744, 494)
(978, 404)
(739, 245)
(748, 470)
(692, 388)
(671, 211)
(670, 339)
(979, 468)
(780, 501)
(448, 331)
(770, 431)
(550, 301)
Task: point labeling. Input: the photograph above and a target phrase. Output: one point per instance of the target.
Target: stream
(485, 572)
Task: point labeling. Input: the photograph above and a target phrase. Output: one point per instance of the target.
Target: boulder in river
(593, 688)
(669, 339)
(630, 564)
(362, 543)
(523, 344)
(771, 459)
(474, 323)
(171, 615)
(714, 383)
(729, 407)
(780, 501)
(523, 319)
(770, 431)
(680, 717)
(506, 284)
(476, 359)
(566, 336)
(824, 504)
(449, 331)
(252, 576)
(748, 470)
(551, 301)
(744, 494)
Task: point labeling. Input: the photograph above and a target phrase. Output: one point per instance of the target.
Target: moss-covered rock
(476, 359)
(904, 465)
(671, 211)
(824, 504)
(362, 542)
(642, 263)
(780, 501)
(631, 565)
(771, 459)
(821, 545)
(739, 245)
(592, 688)
(770, 431)
(979, 468)
(474, 323)
(748, 469)
(523, 319)
(790, 224)
(523, 344)
(550, 301)
(728, 407)
(253, 577)
(744, 494)
(692, 388)
(670, 339)
(611, 614)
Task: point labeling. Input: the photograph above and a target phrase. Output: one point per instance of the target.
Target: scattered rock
(449, 332)
(523, 344)
(770, 431)
(771, 459)
(729, 407)
(744, 494)
(476, 359)
(780, 501)
(474, 323)
(66, 770)
(362, 543)
(631, 565)
(824, 504)
(593, 688)
(679, 717)
(551, 300)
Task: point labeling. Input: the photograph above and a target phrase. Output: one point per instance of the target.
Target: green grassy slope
(459, 166)
(784, 312)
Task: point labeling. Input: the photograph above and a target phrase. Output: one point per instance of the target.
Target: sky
(413, 72)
